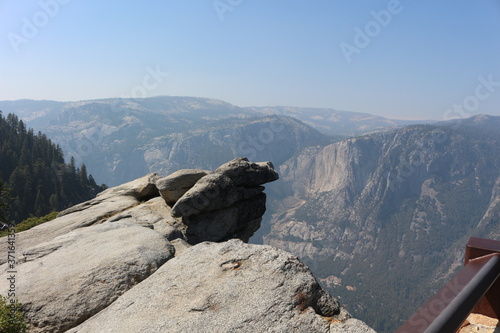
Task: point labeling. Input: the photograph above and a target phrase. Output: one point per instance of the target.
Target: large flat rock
(105, 205)
(65, 281)
(225, 287)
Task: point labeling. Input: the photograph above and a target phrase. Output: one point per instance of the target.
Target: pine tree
(92, 181)
(83, 175)
(72, 165)
(54, 202)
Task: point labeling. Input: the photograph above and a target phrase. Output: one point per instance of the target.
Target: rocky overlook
(169, 255)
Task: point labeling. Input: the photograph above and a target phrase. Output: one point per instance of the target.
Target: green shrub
(11, 317)
(31, 222)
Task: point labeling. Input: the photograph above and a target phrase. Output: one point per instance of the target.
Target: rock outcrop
(212, 192)
(107, 204)
(173, 187)
(67, 280)
(225, 287)
(125, 262)
(247, 174)
(228, 203)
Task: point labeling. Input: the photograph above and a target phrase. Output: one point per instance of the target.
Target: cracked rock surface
(226, 287)
(65, 281)
(228, 203)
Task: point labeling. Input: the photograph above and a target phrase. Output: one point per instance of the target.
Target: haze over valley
(379, 212)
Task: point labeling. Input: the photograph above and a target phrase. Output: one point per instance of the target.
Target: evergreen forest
(34, 178)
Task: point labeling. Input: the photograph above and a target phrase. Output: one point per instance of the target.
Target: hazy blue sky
(401, 59)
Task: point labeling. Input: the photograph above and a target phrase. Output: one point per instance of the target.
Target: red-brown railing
(475, 288)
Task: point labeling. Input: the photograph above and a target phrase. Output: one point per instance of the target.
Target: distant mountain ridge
(326, 120)
(121, 139)
(335, 122)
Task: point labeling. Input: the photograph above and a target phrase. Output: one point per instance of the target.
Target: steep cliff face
(390, 212)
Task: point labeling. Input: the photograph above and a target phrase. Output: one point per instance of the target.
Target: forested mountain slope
(34, 176)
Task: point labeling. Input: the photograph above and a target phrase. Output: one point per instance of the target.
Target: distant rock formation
(125, 262)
